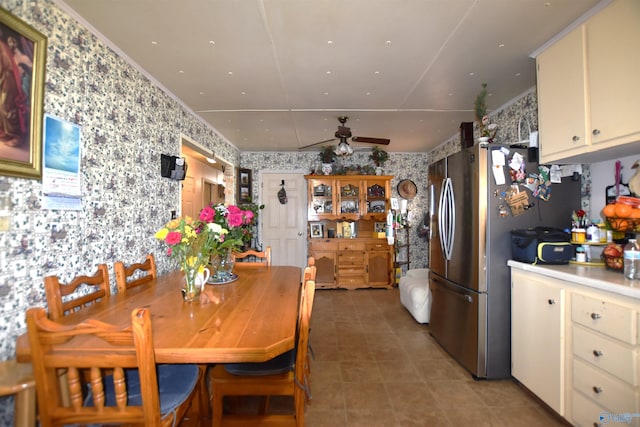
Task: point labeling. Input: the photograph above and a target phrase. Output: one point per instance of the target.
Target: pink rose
(207, 214)
(234, 219)
(173, 238)
(248, 217)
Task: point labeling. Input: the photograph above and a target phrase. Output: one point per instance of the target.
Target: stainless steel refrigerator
(469, 247)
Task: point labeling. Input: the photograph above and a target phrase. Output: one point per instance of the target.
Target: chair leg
(25, 408)
(217, 408)
(203, 394)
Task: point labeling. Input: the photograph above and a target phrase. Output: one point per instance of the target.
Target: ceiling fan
(343, 134)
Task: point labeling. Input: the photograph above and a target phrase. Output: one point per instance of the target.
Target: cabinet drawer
(587, 413)
(350, 245)
(351, 258)
(381, 246)
(611, 319)
(348, 281)
(322, 245)
(351, 271)
(608, 391)
(616, 358)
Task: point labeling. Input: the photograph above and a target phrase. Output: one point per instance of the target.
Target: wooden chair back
(117, 348)
(291, 383)
(55, 292)
(310, 270)
(263, 258)
(136, 274)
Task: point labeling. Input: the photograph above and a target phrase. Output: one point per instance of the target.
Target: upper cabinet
(588, 94)
(348, 198)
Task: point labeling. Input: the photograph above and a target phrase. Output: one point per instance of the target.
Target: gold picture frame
(23, 52)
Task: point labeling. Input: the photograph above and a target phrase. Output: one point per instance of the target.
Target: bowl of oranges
(624, 214)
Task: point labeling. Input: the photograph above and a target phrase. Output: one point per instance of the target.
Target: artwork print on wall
(22, 64)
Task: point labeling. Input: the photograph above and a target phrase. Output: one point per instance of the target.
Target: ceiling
(275, 75)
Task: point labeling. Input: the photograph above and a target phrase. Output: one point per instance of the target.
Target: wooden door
(283, 226)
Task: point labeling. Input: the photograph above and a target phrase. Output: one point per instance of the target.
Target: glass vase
(222, 265)
(193, 283)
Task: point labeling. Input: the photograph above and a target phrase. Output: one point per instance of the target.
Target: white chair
(415, 294)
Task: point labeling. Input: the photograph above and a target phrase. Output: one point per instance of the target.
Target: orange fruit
(609, 210)
(635, 213)
(622, 210)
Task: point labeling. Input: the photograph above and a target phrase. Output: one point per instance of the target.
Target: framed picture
(379, 227)
(244, 185)
(317, 230)
(22, 61)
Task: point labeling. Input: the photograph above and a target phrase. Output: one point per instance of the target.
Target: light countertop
(592, 277)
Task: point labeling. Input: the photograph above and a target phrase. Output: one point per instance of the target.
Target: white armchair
(415, 294)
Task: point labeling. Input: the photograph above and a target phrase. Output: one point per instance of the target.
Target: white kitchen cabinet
(538, 337)
(587, 88)
(581, 354)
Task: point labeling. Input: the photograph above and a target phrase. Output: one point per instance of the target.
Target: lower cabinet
(537, 337)
(352, 263)
(581, 355)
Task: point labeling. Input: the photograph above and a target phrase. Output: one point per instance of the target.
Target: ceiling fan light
(343, 149)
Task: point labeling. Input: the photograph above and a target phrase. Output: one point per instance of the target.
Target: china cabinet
(350, 254)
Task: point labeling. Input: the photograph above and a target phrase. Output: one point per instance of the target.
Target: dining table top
(252, 319)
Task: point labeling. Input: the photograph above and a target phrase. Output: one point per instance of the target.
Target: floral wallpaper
(127, 122)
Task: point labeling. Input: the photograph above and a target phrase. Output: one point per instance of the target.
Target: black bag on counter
(541, 245)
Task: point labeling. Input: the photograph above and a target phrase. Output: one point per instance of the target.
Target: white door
(284, 227)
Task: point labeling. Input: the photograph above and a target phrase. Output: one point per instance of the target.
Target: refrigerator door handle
(432, 207)
(449, 217)
(442, 231)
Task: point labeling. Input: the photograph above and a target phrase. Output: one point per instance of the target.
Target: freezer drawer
(454, 322)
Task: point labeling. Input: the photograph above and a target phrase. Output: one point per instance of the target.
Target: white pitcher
(201, 278)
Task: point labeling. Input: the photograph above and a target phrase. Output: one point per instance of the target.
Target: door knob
(299, 233)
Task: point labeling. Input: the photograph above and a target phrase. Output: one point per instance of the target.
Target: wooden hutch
(346, 216)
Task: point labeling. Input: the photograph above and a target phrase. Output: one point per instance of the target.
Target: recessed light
(501, 45)
(326, 93)
(328, 72)
(243, 93)
(388, 42)
(517, 74)
(329, 41)
(376, 72)
(472, 74)
(368, 93)
(230, 73)
(181, 71)
(547, 4)
(212, 42)
(201, 93)
(154, 43)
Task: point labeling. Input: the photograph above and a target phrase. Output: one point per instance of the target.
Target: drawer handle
(575, 138)
(596, 316)
(596, 132)
(597, 353)
(597, 390)
(551, 301)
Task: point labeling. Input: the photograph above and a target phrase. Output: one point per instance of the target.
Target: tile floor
(375, 366)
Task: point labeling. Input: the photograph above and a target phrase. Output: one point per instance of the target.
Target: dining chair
(263, 258)
(55, 292)
(310, 270)
(136, 274)
(284, 375)
(137, 390)
(17, 379)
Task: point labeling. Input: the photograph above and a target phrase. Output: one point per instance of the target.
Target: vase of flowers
(238, 224)
(187, 241)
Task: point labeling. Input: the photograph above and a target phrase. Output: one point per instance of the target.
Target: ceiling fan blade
(381, 141)
(316, 143)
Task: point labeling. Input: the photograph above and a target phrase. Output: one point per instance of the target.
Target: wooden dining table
(252, 319)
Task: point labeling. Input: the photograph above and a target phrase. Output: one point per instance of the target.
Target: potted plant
(379, 156)
(327, 157)
(487, 130)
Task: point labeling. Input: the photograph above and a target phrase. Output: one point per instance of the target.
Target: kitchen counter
(589, 277)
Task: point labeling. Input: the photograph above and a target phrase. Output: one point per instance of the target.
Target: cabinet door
(613, 64)
(349, 199)
(322, 199)
(561, 98)
(376, 197)
(325, 268)
(537, 337)
(379, 268)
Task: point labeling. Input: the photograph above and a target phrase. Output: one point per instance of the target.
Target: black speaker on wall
(466, 134)
(173, 167)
